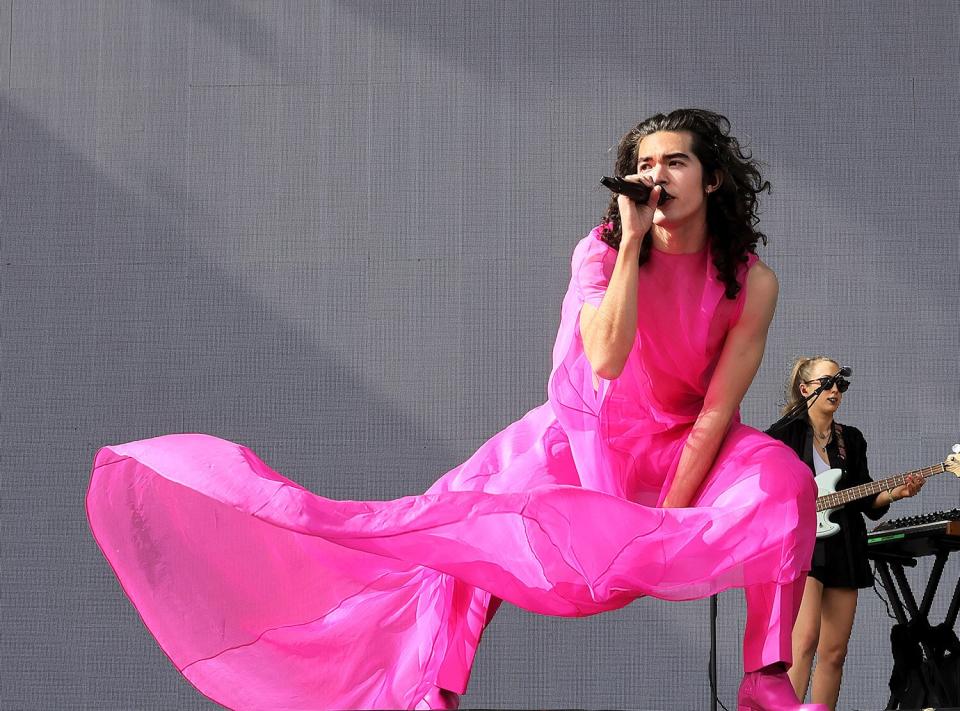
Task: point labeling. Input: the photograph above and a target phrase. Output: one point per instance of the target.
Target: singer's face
(667, 158)
(829, 401)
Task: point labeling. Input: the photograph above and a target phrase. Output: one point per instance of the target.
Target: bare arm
(910, 488)
(609, 331)
(738, 364)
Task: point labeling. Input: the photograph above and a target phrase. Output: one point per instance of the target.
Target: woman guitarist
(839, 568)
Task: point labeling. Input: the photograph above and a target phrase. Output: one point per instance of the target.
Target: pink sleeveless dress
(266, 595)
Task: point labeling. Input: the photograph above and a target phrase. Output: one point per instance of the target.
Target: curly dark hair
(731, 208)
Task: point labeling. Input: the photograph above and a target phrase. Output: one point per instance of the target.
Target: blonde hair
(801, 371)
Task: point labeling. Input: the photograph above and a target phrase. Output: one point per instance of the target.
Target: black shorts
(832, 566)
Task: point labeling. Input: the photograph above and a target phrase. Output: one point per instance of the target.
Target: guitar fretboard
(839, 498)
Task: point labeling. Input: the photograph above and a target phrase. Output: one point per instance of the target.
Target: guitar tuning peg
(955, 449)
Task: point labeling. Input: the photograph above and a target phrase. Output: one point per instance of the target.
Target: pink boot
(770, 691)
(438, 698)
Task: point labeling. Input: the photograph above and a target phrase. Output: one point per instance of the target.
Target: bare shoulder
(763, 278)
(762, 291)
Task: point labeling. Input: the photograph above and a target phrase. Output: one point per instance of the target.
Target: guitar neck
(839, 498)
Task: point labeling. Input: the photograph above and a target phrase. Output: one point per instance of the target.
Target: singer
(839, 566)
(635, 478)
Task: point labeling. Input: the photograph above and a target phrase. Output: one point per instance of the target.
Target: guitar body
(829, 501)
(826, 485)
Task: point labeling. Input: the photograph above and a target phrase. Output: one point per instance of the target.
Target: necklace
(823, 439)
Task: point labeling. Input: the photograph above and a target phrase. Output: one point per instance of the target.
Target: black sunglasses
(828, 382)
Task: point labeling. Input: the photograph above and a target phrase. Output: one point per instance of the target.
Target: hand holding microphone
(636, 214)
(635, 190)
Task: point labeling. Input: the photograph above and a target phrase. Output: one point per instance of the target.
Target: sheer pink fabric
(266, 595)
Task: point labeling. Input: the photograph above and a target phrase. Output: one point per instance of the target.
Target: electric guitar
(829, 499)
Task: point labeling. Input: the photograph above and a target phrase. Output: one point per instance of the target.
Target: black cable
(876, 591)
(713, 689)
(712, 664)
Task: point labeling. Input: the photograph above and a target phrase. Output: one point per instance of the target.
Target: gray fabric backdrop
(339, 232)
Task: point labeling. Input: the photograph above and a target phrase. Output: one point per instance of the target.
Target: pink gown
(266, 595)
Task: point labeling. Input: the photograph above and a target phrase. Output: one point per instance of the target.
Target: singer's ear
(716, 180)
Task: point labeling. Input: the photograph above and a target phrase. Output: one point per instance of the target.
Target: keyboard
(916, 535)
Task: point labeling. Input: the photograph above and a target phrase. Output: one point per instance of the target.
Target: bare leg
(838, 607)
(806, 635)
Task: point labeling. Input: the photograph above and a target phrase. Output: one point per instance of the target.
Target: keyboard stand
(906, 610)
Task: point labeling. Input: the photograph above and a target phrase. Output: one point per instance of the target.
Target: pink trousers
(771, 611)
(767, 639)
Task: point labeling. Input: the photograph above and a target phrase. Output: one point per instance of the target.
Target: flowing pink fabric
(266, 595)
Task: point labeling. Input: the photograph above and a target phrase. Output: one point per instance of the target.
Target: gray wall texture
(339, 233)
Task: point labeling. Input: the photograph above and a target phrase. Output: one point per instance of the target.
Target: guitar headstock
(952, 462)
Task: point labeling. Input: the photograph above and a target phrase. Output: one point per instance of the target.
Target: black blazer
(841, 560)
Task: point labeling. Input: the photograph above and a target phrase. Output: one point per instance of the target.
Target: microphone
(638, 192)
(845, 372)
